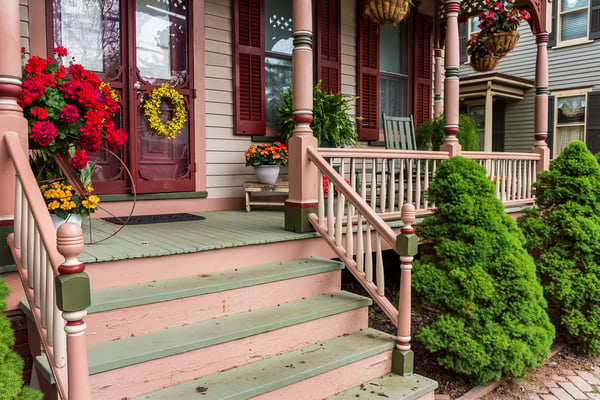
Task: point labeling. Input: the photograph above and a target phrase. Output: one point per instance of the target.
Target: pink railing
(39, 262)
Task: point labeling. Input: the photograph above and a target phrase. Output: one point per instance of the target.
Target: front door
(136, 46)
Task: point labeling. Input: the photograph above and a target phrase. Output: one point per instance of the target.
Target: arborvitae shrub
(11, 365)
(563, 236)
(474, 270)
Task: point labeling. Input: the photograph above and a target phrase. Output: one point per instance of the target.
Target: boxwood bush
(563, 236)
(11, 364)
(474, 271)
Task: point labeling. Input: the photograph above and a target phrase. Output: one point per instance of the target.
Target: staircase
(282, 330)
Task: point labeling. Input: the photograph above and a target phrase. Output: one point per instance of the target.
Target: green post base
(403, 362)
(296, 219)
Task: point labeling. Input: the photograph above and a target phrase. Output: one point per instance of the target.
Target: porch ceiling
(500, 85)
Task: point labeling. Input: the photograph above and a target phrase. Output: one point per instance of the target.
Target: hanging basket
(502, 42)
(385, 12)
(484, 63)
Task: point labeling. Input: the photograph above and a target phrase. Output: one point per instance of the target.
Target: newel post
(73, 299)
(406, 247)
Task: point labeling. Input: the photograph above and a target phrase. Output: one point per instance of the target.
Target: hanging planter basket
(485, 63)
(502, 42)
(385, 12)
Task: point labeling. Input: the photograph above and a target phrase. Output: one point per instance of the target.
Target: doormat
(154, 219)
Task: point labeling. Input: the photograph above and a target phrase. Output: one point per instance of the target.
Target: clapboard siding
(24, 24)
(519, 129)
(575, 66)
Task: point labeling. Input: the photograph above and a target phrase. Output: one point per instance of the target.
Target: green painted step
(276, 372)
(390, 386)
(171, 289)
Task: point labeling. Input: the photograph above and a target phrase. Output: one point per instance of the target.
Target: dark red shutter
(249, 67)
(423, 69)
(328, 34)
(368, 77)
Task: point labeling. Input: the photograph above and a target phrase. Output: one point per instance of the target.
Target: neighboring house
(574, 83)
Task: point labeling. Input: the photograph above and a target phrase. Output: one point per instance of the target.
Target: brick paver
(571, 385)
(580, 383)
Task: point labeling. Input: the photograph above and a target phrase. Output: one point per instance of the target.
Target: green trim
(154, 196)
(403, 362)
(73, 292)
(296, 219)
(407, 244)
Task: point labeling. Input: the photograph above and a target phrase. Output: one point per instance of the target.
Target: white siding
(24, 24)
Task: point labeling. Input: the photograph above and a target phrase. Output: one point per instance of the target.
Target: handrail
(42, 267)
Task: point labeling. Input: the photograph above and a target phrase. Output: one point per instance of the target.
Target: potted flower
(69, 112)
(481, 58)
(498, 23)
(266, 160)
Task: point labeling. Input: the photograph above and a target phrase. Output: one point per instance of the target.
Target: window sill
(572, 43)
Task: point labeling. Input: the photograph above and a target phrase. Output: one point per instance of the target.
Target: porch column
(437, 83)
(541, 102)
(451, 83)
(302, 199)
(11, 115)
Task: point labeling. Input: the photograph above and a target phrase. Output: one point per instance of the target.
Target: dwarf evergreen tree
(563, 236)
(474, 270)
(11, 365)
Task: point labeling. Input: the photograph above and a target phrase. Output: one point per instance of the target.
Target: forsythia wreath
(172, 127)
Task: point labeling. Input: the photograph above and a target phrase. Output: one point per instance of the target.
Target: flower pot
(502, 42)
(58, 221)
(267, 173)
(484, 63)
(385, 12)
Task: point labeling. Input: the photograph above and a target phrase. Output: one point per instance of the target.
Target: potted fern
(332, 124)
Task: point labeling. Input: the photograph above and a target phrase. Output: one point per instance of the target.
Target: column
(541, 103)
(437, 83)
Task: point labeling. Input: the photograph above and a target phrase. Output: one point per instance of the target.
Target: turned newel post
(541, 103)
(406, 247)
(73, 299)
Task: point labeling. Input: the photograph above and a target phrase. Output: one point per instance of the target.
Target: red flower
(116, 138)
(80, 159)
(40, 112)
(22, 50)
(69, 114)
(61, 51)
(43, 132)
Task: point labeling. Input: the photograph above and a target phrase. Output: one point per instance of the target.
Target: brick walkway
(570, 385)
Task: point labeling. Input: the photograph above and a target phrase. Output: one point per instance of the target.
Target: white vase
(58, 221)
(267, 173)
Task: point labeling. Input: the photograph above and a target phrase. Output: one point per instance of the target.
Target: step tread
(171, 289)
(270, 374)
(132, 350)
(392, 386)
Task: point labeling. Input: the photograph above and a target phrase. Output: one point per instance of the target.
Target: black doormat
(154, 219)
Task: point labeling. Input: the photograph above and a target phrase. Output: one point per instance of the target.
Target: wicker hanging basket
(485, 63)
(385, 12)
(502, 42)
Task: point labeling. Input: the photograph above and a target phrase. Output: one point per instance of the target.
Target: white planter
(58, 221)
(267, 173)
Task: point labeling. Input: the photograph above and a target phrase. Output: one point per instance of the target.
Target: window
(393, 70)
(570, 119)
(574, 21)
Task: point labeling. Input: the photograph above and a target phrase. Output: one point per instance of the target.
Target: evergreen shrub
(430, 134)
(474, 271)
(11, 364)
(563, 236)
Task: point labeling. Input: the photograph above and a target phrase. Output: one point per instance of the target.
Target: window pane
(566, 135)
(278, 26)
(83, 44)
(574, 25)
(571, 110)
(566, 5)
(474, 25)
(393, 95)
(392, 49)
(478, 115)
(278, 77)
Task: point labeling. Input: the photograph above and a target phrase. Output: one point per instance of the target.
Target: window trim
(572, 42)
(558, 94)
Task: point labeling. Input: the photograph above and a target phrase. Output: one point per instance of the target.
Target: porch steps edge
(128, 351)
(279, 371)
(392, 386)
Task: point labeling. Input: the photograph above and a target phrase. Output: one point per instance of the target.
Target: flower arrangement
(476, 48)
(68, 106)
(62, 200)
(500, 16)
(172, 127)
(267, 154)
(326, 186)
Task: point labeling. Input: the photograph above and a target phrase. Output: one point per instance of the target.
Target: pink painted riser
(110, 325)
(151, 375)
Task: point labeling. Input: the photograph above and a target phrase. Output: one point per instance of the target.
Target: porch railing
(50, 274)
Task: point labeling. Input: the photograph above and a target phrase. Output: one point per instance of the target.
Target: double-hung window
(574, 22)
(570, 118)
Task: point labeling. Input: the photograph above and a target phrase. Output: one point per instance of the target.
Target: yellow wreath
(172, 127)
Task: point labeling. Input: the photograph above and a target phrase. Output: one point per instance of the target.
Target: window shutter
(463, 36)
(249, 67)
(550, 138)
(594, 19)
(552, 36)
(593, 122)
(329, 54)
(422, 103)
(368, 77)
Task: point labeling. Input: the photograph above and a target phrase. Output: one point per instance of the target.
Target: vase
(501, 42)
(58, 221)
(267, 173)
(484, 63)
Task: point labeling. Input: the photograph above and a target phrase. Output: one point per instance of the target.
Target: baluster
(44, 278)
(426, 185)
(406, 247)
(418, 183)
(379, 272)
(339, 213)
(392, 178)
(409, 196)
(360, 247)
(29, 245)
(321, 201)
(50, 304)
(36, 267)
(73, 299)
(330, 208)
(373, 199)
(24, 220)
(18, 212)
(383, 192)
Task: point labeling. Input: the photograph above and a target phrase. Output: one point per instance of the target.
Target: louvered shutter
(595, 19)
(422, 103)
(592, 134)
(249, 67)
(552, 36)
(328, 62)
(368, 77)
(550, 138)
(463, 36)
